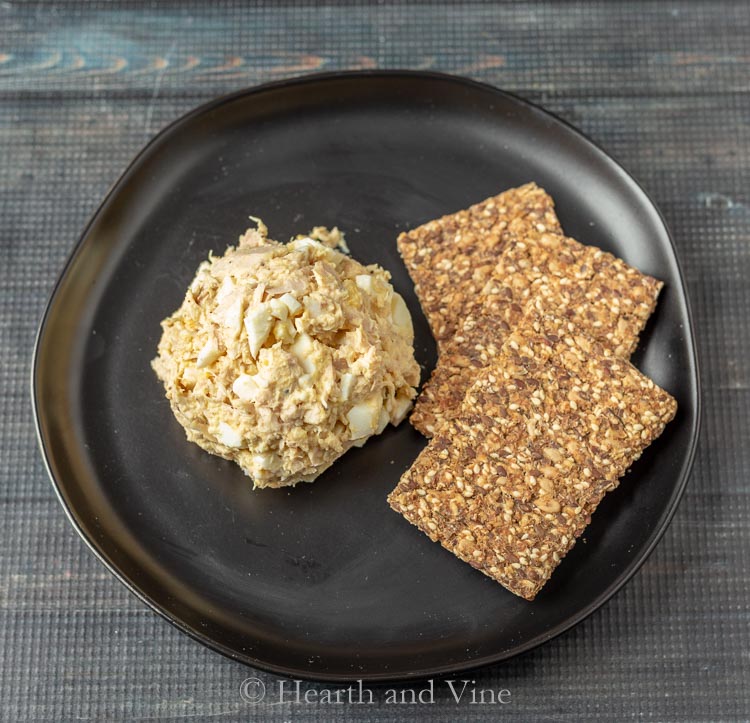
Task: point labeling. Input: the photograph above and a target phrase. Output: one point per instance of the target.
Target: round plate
(323, 580)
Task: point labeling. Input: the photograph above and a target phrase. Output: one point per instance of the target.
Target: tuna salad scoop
(283, 356)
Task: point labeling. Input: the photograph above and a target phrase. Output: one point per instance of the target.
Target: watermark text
(462, 691)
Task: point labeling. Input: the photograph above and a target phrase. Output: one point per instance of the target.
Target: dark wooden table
(665, 87)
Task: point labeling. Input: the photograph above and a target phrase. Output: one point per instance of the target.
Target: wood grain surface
(664, 87)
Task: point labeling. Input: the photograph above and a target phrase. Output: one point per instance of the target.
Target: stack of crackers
(533, 410)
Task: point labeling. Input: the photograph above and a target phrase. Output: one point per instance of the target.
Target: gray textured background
(665, 87)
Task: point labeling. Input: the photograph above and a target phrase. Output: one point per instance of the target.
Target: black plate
(324, 581)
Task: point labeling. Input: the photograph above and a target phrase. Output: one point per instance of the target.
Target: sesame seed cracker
(603, 296)
(542, 434)
(455, 254)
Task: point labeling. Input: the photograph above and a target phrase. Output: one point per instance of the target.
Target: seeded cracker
(607, 299)
(456, 253)
(543, 433)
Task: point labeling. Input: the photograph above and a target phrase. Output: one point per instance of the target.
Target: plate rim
(417, 674)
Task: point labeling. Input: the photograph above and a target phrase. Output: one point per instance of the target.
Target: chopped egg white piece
(258, 325)
(208, 354)
(363, 417)
(400, 313)
(383, 420)
(225, 290)
(267, 461)
(401, 407)
(304, 243)
(284, 331)
(189, 377)
(229, 436)
(364, 282)
(233, 317)
(245, 387)
(291, 303)
(278, 309)
(347, 384)
(302, 349)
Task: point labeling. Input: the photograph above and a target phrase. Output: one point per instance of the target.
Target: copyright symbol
(252, 690)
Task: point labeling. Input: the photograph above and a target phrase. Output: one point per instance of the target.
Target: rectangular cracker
(600, 293)
(543, 433)
(458, 251)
